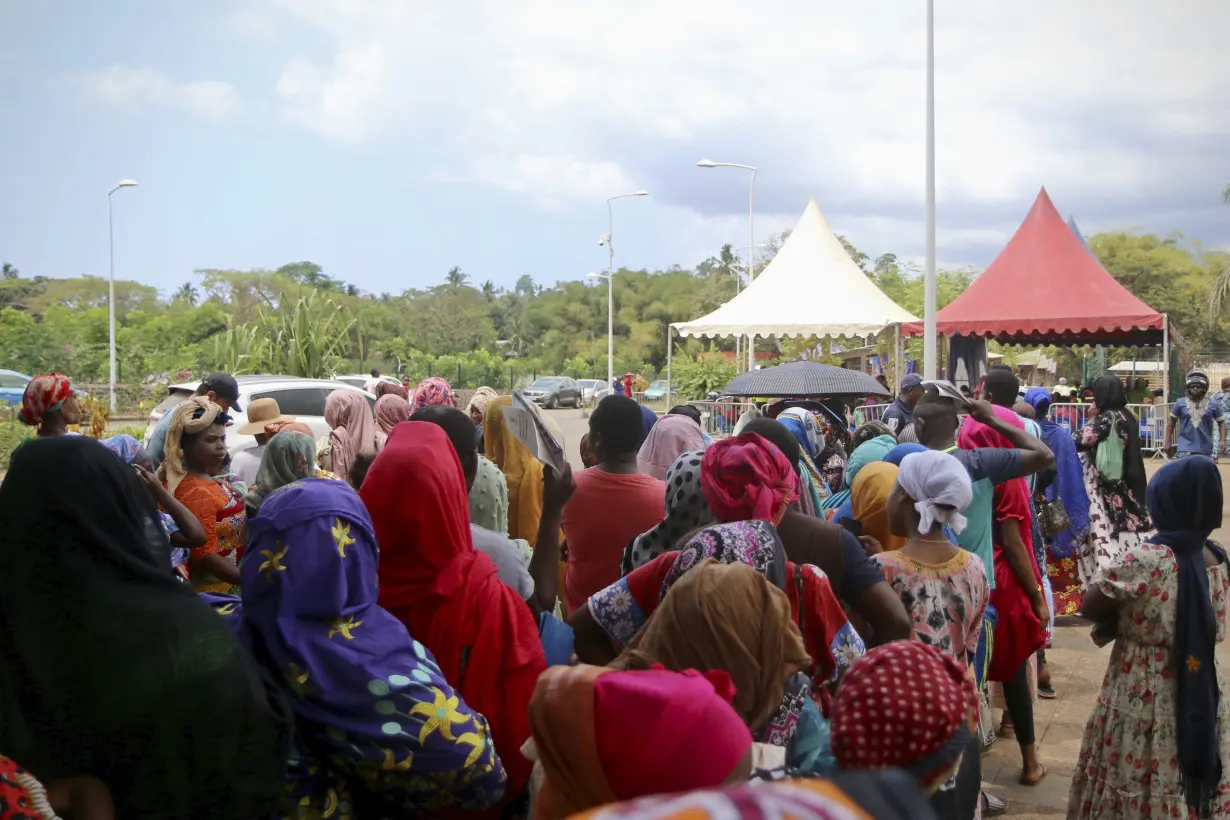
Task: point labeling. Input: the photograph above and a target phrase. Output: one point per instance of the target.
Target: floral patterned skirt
(1065, 584)
(1103, 546)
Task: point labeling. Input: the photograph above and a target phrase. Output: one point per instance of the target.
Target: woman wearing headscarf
(1018, 597)
(943, 587)
(1118, 517)
(1164, 708)
(588, 721)
(522, 472)
(432, 391)
(667, 440)
(807, 539)
(686, 511)
(391, 411)
(869, 504)
(802, 425)
(192, 471)
(649, 417)
(378, 725)
(476, 409)
(1068, 487)
(384, 388)
(730, 618)
(112, 668)
(868, 452)
(446, 593)
(926, 733)
(898, 453)
(289, 456)
(49, 404)
(353, 432)
(612, 618)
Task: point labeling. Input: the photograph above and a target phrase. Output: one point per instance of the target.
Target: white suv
(304, 399)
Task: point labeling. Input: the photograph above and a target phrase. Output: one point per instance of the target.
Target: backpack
(1109, 457)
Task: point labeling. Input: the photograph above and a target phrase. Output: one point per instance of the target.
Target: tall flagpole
(929, 340)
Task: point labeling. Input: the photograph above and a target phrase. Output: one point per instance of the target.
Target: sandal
(1035, 781)
(1047, 692)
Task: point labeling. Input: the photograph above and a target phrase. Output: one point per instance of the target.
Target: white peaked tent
(811, 288)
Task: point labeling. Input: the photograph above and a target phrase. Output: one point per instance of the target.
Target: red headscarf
(43, 395)
(746, 478)
(446, 593)
(581, 717)
(904, 705)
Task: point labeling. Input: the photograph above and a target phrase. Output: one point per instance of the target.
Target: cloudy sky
(389, 140)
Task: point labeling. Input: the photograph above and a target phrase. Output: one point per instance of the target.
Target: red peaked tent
(1045, 286)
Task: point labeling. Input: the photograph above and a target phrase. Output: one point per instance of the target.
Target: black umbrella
(801, 379)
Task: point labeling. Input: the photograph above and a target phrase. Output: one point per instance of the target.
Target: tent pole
(1165, 358)
(929, 352)
(668, 363)
(751, 352)
(897, 374)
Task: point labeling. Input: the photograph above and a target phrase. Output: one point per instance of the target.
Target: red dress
(1018, 632)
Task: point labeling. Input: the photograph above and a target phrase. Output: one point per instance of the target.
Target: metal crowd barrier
(718, 418)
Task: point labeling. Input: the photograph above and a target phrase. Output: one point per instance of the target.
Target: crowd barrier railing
(718, 418)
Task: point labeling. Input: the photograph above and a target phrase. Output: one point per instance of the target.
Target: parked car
(359, 380)
(656, 391)
(12, 386)
(593, 390)
(302, 398)
(554, 391)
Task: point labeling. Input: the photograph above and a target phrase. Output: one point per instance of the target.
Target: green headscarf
(866, 453)
(289, 456)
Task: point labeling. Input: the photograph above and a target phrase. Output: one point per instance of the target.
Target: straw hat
(260, 413)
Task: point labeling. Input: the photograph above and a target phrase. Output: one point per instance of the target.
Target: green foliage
(299, 320)
(306, 338)
(696, 378)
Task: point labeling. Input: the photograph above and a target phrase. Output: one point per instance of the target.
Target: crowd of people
(415, 617)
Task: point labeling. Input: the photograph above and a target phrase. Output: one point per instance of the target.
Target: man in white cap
(247, 463)
(1193, 415)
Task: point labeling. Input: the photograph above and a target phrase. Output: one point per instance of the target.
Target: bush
(12, 433)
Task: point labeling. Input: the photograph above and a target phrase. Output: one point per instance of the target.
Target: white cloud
(119, 85)
(562, 101)
(552, 180)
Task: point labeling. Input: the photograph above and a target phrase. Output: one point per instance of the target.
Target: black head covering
(1110, 396)
(110, 667)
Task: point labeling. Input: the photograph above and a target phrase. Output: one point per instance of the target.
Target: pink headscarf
(432, 391)
(670, 438)
(745, 478)
(391, 410)
(354, 429)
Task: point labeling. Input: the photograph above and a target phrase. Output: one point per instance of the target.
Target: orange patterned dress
(219, 508)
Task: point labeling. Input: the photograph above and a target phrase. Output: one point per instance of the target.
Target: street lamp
(605, 239)
(123, 183)
(751, 240)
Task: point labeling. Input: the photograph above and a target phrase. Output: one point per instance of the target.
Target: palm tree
(187, 294)
(456, 277)
(489, 290)
(10, 271)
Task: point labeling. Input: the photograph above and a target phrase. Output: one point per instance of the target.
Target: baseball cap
(911, 380)
(224, 386)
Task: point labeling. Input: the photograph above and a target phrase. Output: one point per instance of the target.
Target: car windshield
(659, 383)
(588, 383)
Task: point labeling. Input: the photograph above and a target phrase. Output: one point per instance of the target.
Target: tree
(10, 272)
(456, 277)
(187, 294)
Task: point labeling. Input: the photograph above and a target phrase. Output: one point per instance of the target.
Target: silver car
(593, 390)
(554, 391)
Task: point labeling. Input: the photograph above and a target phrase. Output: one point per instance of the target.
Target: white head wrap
(934, 478)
